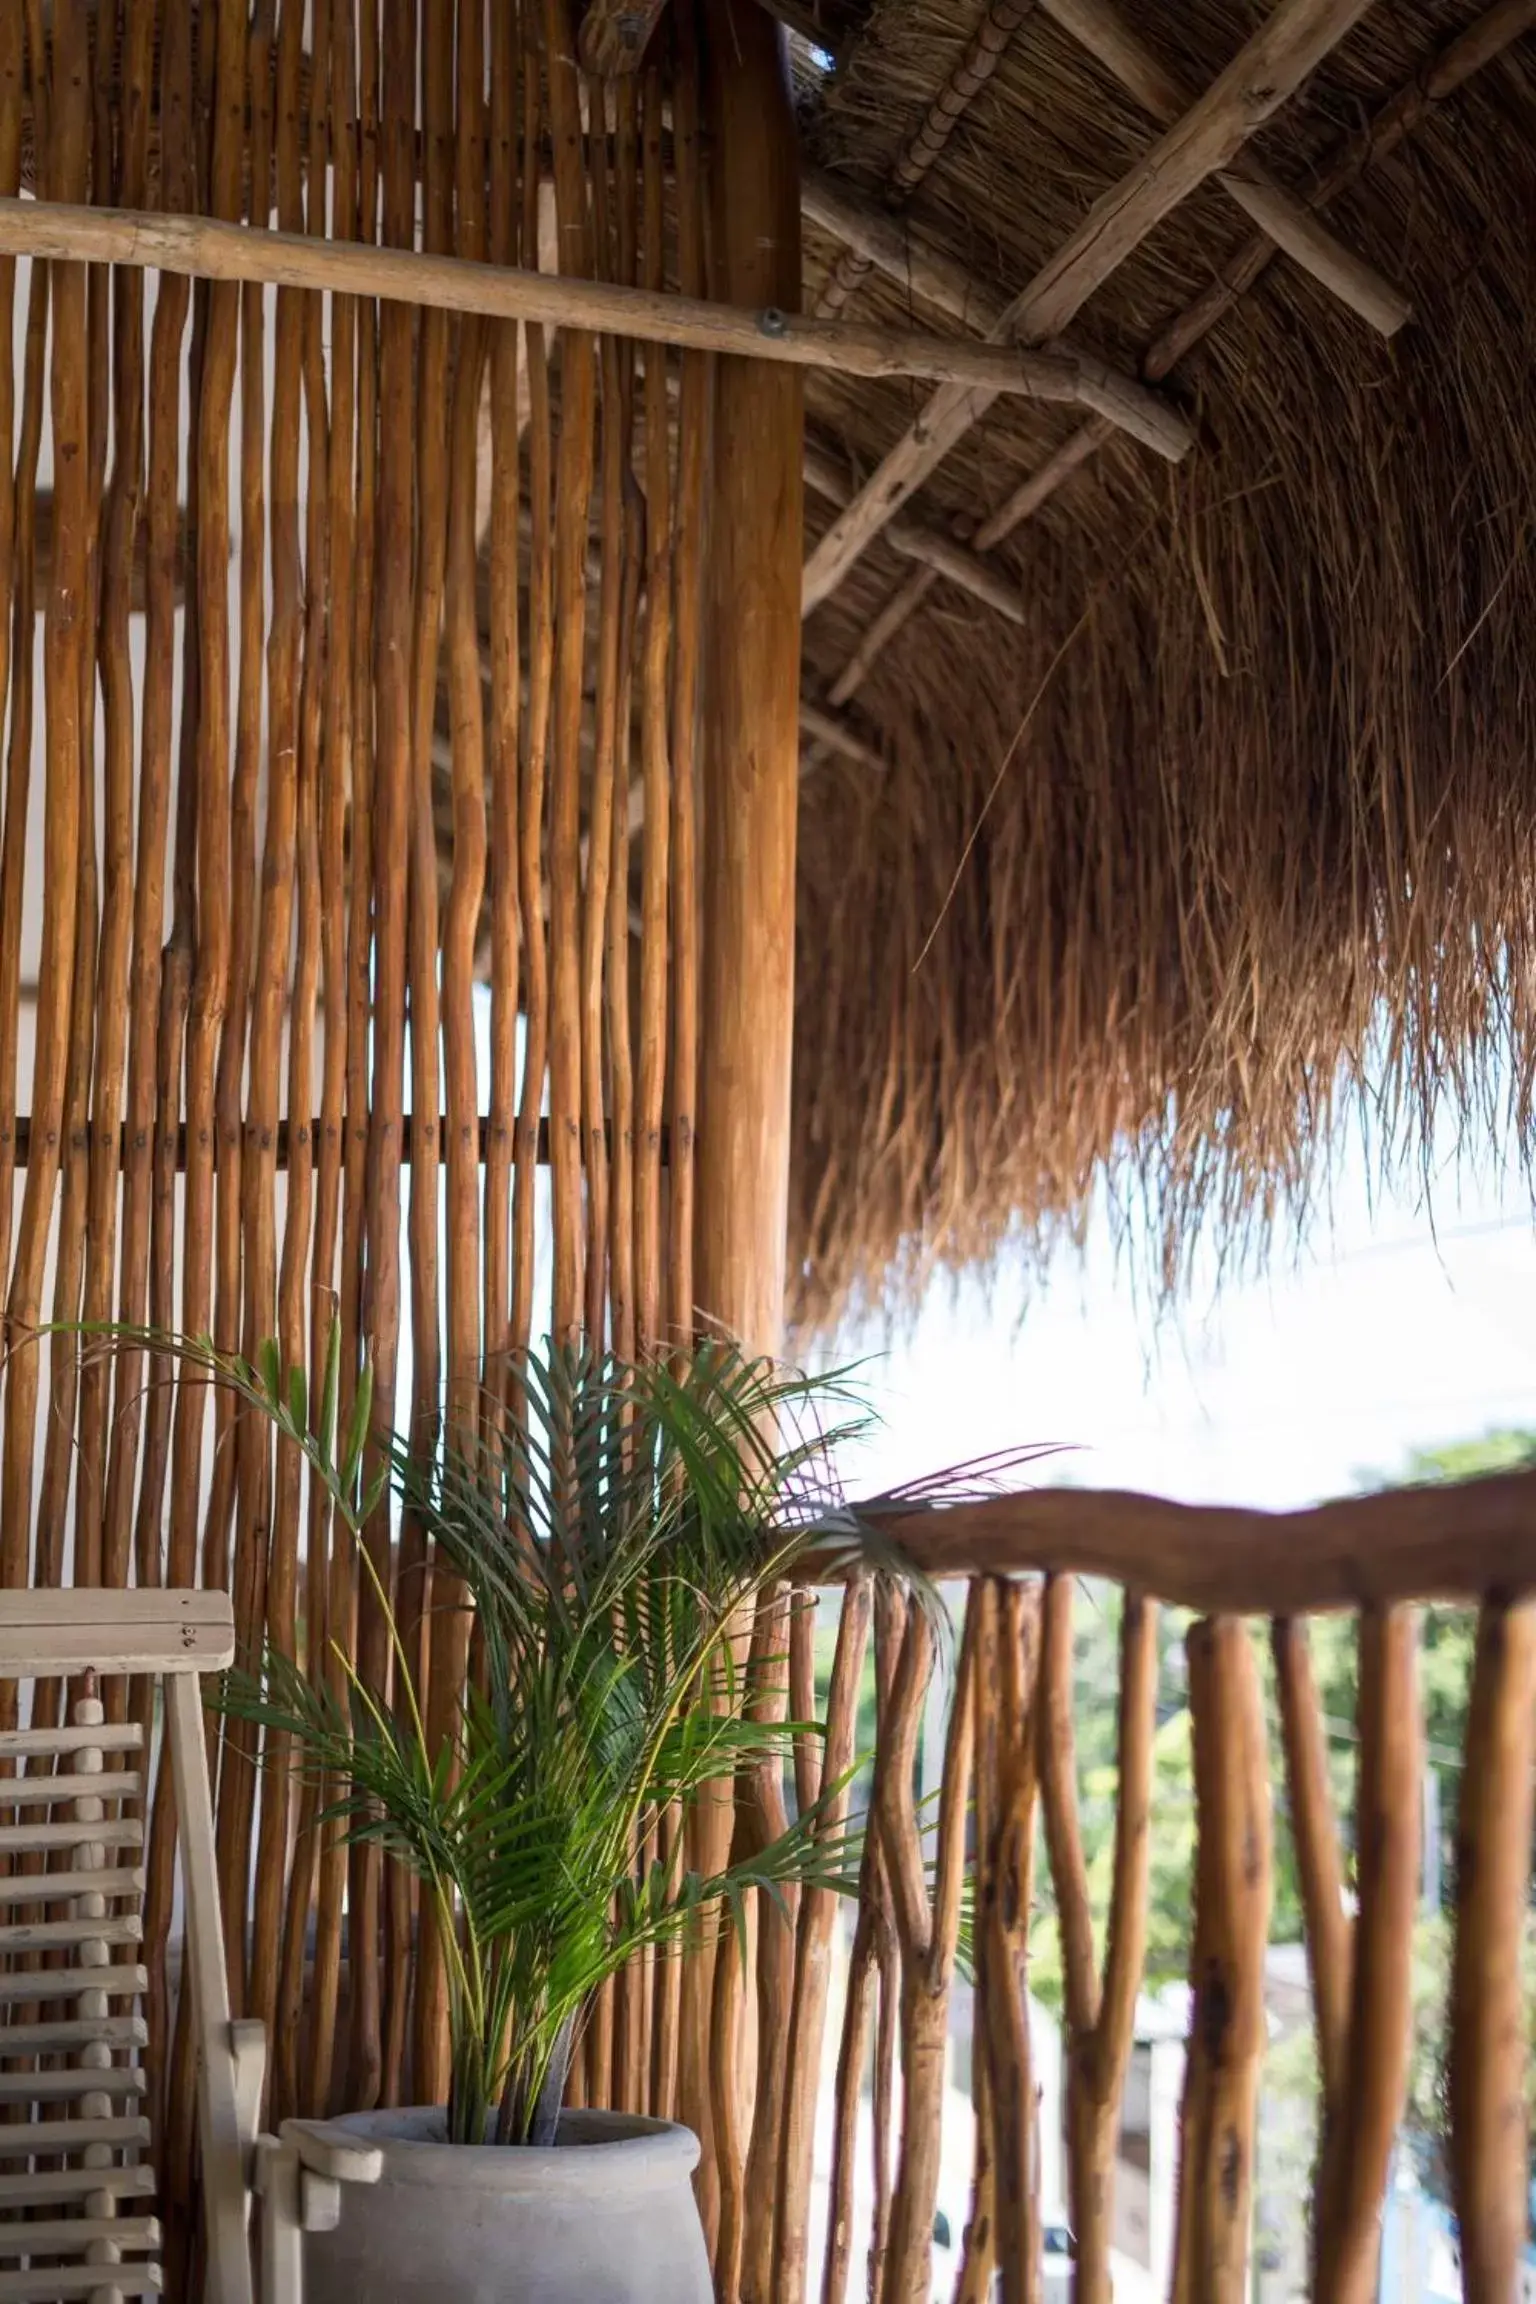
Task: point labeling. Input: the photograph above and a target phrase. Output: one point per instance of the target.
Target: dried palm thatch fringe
(1261, 854)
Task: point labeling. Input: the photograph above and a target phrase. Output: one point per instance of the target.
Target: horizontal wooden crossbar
(65, 2087)
(203, 248)
(46, 2137)
(73, 2032)
(1458, 1541)
(63, 1887)
(80, 2280)
(128, 1982)
(39, 1791)
(32, 1839)
(64, 1935)
(22, 1140)
(71, 2236)
(46, 1634)
(125, 1737)
(36, 2188)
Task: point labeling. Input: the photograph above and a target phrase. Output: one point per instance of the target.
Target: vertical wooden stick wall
(342, 857)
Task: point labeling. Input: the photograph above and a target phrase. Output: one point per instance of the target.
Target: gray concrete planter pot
(605, 2216)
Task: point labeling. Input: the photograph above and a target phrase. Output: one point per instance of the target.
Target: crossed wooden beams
(1286, 226)
(1204, 140)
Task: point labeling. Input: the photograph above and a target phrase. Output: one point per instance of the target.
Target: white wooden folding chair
(299, 2176)
(73, 2177)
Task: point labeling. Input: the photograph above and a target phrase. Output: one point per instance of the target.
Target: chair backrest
(75, 2182)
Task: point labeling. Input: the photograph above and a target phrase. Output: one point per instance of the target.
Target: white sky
(1391, 1329)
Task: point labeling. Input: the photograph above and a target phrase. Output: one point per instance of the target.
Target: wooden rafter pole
(916, 541)
(207, 249)
(878, 238)
(826, 728)
(1295, 228)
(1288, 46)
(1483, 41)
(615, 34)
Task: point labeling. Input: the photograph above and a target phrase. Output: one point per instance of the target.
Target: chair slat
(62, 1887)
(80, 2280)
(122, 1983)
(107, 1832)
(123, 1736)
(49, 1634)
(59, 2087)
(72, 2235)
(38, 2187)
(59, 1935)
(44, 1791)
(47, 2137)
(73, 2032)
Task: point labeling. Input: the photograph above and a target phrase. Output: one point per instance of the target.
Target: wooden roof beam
(915, 540)
(204, 248)
(826, 729)
(615, 34)
(1286, 49)
(1296, 230)
(1480, 44)
(826, 24)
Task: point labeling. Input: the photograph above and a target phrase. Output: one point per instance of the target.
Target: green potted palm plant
(613, 1533)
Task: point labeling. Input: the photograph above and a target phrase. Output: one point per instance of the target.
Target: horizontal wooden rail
(23, 1126)
(1457, 1541)
(202, 248)
(47, 1634)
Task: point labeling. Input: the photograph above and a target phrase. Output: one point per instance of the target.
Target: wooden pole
(751, 724)
(1488, 2020)
(750, 777)
(1100, 2010)
(65, 232)
(1432, 1543)
(1291, 42)
(1232, 1890)
(1358, 2143)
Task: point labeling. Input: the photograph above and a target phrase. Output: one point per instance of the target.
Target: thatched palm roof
(1237, 818)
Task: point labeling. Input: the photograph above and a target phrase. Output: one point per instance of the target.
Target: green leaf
(330, 1390)
(612, 1532)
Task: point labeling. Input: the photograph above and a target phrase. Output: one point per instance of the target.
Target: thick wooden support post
(751, 725)
(750, 777)
(1232, 1886)
(1488, 2047)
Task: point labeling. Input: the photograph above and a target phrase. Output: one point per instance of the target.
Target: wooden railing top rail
(1459, 1541)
